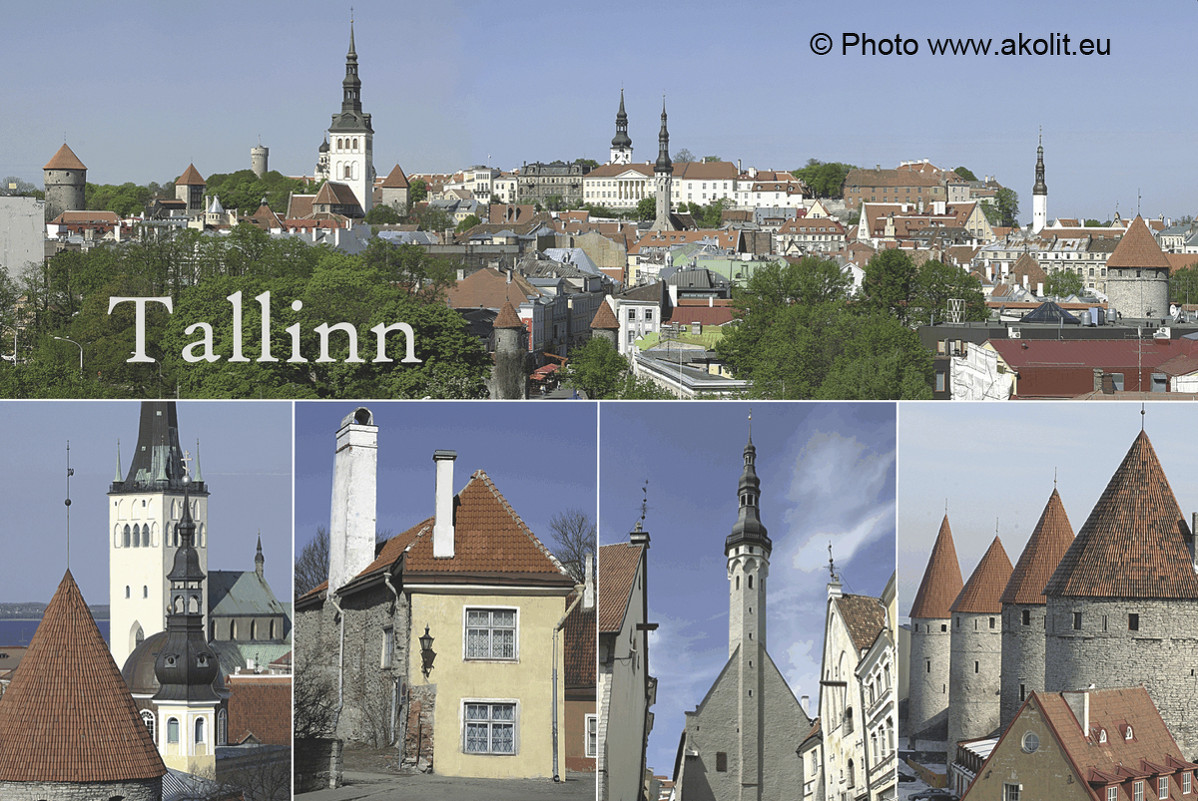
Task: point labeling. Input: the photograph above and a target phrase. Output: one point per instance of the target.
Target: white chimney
(352, 515)
(1079, 703)
(803, 702)
(588, 591)
(443, 525)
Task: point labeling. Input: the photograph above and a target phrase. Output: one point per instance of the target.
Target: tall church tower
(186, 666)
(621, 144)
(663, 176)
(1039, 192)
(143, 508)
(747, 549)
(351, 139)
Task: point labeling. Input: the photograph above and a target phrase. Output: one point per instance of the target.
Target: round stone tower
(1023, 607)
(259, 159)
(606, 325)
(1137, 275)
(508, 379)
(1123, 602)
(66, 178)
(927, 702)
(976, 645)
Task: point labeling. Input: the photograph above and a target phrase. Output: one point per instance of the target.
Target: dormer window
(1102, 736)
(1127, 735)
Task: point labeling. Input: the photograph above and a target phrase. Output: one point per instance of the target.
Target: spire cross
(186, 464)
(644, 499)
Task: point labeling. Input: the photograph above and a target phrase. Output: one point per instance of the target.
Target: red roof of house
(605, 318)
(1137, 248)
(259, 709)
(489, 288)
(982, 594)
(64, 159)
(941, 578)
(864, 617)
(1134, 543)
(1048, 543)
(336, 194)
(705, 315)
(190, 177)
(578, 648)
(617, 574)
(68, 715)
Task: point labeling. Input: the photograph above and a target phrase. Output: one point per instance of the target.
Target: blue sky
(142, 89)
(827, 474)
(541, 456)
(996, 463)
(245, 457)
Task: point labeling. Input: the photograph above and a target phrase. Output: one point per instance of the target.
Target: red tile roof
(260, 709)
(578, 648)
(507, 317)
(941, 578)
(617, 574)
(489, 288)
(68, 715)
(1137, 248)
(64, 159)
(336, 194)
(864, 617)
(395, 179)
(605, 318)
(713, 315)
(982, 593)
(1048, 543)
(190, 177)
(1134, 544)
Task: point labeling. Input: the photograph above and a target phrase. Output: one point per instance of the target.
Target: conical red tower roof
(605, 319)
(68, 716)
(983, 592)
(507, 317)
(190, 177)
(1050, 539)
(64, 159)
(941, 578)
(1135, 543)
(1138, 248)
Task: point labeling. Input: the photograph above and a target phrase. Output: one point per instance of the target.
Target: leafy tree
(382, 215)
(575, 538)
(825, 179)
(710, 159)
(890, 283)
(1063, 283)
(1183, 285)
(1092, 223)
(468, 222)
(709, 216)
(126, 200)
(245, 191)
(18, 187)
(936, 283)
(587, 164)
(683, 155)
(417, 191)
(646, 208)
(429, 218)
(411, 268)
(555, 203)
(597, 369)
(1004, 209)
(966, 173)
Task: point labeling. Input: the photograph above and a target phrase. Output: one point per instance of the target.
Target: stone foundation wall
(418, 729)
(318, 764)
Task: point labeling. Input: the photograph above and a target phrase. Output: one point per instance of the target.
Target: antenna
(67, 502)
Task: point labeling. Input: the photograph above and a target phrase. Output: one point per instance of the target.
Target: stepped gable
(982, 593)
(1137, 248)
(64, 159)
(941, 578)
(605, 319)
(1049, 541)
(1135, 543)
(68, 716)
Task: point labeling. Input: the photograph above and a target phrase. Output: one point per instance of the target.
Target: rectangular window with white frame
(1011, 792)
(489, 727)
(1112, 794)
(592, 744)
(388, 647)
(1187, 780)
(1162, 787)
(491, 633)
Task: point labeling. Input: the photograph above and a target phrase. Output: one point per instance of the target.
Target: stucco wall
(1046, 767)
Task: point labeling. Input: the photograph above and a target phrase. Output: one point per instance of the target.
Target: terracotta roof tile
(1135, 542)
(617, 574)
(1137, 248)
(489, 288)
(395, 179)
(64, 159)
(1049, 541)
(507, 317)
(67, 698)
(190, 177)
(982, 593)
(941, 578)
(863, 616)
(260, 709)
(337, 194)
(578, 648)
(605, 318)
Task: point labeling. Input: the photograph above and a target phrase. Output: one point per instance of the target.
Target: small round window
(1031, 742)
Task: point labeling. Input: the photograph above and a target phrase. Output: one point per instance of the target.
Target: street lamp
(76, 344)
(427, 655)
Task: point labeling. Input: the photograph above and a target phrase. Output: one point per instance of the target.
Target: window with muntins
(490, 633)
(490, 728)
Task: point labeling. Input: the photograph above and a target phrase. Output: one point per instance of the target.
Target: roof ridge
(486, 479)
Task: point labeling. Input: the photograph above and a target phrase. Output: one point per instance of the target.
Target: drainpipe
(340, 658)
(395, 681)
(578, 591)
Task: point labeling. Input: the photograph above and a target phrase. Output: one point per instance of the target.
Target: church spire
(621, 140)
(351, 86)
(1039, 192)
(259, 560)
(663, 165)
(1040, 187)
(748, 528)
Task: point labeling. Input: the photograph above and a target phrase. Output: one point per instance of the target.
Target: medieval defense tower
(930, 619)
(65, 178)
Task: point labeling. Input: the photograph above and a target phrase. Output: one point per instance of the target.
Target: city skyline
(189, 84)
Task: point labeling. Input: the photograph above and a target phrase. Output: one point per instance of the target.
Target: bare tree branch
(312, 564)
(574, 536)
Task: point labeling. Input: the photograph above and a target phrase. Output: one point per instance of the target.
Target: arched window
(200, 730)
(851, 777)
(172, 730)
(354, 145)
(147, 717)
(222, 728)
(125, 538)
(145, 591)
(347, 171)
(750, 581)
(253, 629)
(136, 535)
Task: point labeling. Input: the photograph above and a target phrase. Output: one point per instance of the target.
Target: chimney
(352, 519)
(443, 525)
(804, 702)
(1098, 379)
(588, 592)
(1079, 703)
